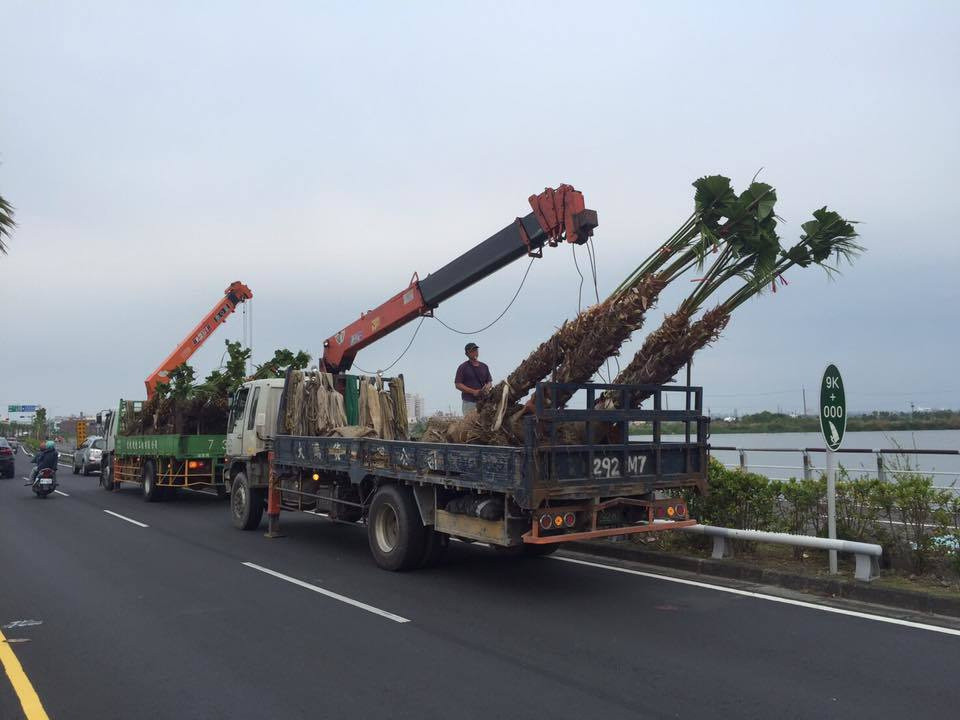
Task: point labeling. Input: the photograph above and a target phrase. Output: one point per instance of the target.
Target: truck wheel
(246, 503)
(106, 473)
(394, 530)
(434, 548)
(151, 493)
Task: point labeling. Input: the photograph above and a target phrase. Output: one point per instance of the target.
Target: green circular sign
(833, 407)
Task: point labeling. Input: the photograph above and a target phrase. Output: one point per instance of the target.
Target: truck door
(235, 422)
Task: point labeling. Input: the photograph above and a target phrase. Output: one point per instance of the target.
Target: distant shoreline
(778, 423)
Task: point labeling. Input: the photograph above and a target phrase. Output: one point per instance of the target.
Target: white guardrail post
(867, 554)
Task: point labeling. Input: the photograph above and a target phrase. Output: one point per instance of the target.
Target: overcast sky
(323, 152)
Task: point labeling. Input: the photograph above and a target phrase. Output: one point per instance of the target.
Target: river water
(944, 468)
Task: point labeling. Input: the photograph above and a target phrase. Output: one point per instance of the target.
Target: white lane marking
(328, 593)
(770, 598)
(123, 517)
(64, 464)
(22, 623)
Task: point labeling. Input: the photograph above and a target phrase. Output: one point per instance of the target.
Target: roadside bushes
(914, 521)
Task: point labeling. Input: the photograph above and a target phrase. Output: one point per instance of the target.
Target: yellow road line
(32, 707)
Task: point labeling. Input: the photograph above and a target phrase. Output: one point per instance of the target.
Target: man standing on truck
(472, 377)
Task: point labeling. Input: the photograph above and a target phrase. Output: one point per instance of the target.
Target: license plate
(46, 481)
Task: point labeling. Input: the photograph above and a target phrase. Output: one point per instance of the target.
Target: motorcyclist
(48, 457)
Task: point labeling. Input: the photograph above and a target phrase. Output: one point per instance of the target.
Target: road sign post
(833, 425)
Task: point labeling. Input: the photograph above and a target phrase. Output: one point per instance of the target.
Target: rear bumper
(637, 515)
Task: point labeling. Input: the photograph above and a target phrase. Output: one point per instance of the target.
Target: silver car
(88, 456)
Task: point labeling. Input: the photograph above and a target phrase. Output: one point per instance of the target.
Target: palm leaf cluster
(6, 223)
(721, 221)
(826, 240)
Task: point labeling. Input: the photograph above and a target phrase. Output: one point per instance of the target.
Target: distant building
(415, 407)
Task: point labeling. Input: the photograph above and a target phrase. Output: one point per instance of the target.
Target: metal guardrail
(807, 468)
(867, 554)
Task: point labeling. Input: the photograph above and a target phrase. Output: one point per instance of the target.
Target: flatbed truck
(414, 496)
(159, 464)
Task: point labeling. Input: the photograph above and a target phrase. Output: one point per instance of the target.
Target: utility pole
(804, 401)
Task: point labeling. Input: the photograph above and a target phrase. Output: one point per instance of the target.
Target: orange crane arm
(233, 296)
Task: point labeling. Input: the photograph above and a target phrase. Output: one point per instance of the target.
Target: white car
(88, 456)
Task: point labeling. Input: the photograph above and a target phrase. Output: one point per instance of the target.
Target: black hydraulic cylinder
(485, 259)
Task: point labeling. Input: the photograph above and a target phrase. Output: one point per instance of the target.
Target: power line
(497, 319)
(399, 357)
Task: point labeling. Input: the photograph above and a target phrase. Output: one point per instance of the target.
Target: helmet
(50, 445)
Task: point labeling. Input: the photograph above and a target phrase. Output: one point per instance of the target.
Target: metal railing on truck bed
(603, 462)
(606, 461)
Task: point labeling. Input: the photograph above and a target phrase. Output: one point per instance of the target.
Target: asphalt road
(167, 621)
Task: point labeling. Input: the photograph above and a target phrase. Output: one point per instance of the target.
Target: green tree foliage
(225, 381)
(908, 515)
(40, 423)
(282, 360)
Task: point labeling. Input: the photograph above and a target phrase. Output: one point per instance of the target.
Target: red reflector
(546, 522)
(569, 519)
(681, 509)
(661, 512)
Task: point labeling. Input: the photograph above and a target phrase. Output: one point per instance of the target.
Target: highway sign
(833, 407)
(21, 408)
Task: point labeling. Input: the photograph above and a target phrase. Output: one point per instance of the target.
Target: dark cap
(470, 346)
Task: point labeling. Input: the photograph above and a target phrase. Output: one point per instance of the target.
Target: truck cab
(253, 419)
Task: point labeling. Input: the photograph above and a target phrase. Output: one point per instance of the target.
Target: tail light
(195, 464)
(671, 511)
(546, 521)
(6, 451)
(661, 512)
(570, 519)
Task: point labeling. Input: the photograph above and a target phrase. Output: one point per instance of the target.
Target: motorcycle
(45, 482)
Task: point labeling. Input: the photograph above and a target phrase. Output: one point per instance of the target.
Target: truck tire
(106, 473)
(434, 548)
(394, 530)
(246, 503)
(151, 493)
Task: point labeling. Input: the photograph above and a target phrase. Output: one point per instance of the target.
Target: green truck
(160, 464)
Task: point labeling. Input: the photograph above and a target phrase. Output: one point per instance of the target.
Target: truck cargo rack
(609, 457)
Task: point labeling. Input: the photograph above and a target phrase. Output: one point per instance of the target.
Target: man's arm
(467, 389)
(459, 384)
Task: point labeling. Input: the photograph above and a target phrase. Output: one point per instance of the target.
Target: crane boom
(234, 295)
(557, 214)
